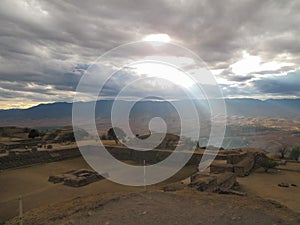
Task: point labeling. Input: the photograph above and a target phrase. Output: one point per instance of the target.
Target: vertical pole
(144, 175)
(20, 210)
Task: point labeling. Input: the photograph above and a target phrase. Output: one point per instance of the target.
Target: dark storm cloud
(230, 76)
(284, 85)
(238, 78)
(52, 42)
(283, 69)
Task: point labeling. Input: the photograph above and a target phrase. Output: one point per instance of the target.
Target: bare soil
(105, 202)
(183, 207)
(32, 183)
(266, 186)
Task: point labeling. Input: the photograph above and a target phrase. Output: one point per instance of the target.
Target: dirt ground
(32, 183)
(154, 207)
(105, 202)
(266, 186)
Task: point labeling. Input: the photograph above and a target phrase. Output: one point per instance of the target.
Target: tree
(116, 133)
(283, 150)
(33, 133)
(295, 153)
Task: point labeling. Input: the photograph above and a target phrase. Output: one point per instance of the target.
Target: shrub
(295, 153)
(103, 137)
(267, 163)
(33, 133)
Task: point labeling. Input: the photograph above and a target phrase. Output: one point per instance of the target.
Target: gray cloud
(238, 78)
(52, 42)
(230, 76)
(287, 85)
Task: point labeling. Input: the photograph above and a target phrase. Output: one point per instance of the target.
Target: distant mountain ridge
(60, 113)
(284, 108)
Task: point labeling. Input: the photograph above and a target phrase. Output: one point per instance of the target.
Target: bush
(33, 133)
(103, 137)
(267, 163)
(295, 153)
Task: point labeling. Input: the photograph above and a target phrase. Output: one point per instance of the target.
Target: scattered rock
(169, 188)
(282, 162)
(276, 204)
(282, 184)
(173, 187)
(233, 192)
(235, 218)
(294, 185)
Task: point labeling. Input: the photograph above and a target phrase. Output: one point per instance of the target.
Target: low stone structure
(77, 178)
(244, 167)
(17, 159)
(220, 168)
(213, 182)
(239, 163)
(20, 144)
(226, 181)
(235, 158)
(223, 173)
(204, 182)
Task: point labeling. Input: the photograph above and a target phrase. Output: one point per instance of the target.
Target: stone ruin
(77, 178)
(221, 182)
(222, 173)
(239, 163)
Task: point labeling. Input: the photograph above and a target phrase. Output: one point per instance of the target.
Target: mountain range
(60, 113)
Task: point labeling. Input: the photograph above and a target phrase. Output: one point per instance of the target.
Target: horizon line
(145, 100)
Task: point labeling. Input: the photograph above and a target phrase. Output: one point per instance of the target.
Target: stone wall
(235, 157)
(155, 155)
(244, 167)
(204, 182)
(30, 158)
(226, 181)
(20, 145)
(221, 168)
(120, 153)
(213, 182)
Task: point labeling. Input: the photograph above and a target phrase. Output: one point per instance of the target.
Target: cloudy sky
(252, 47)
